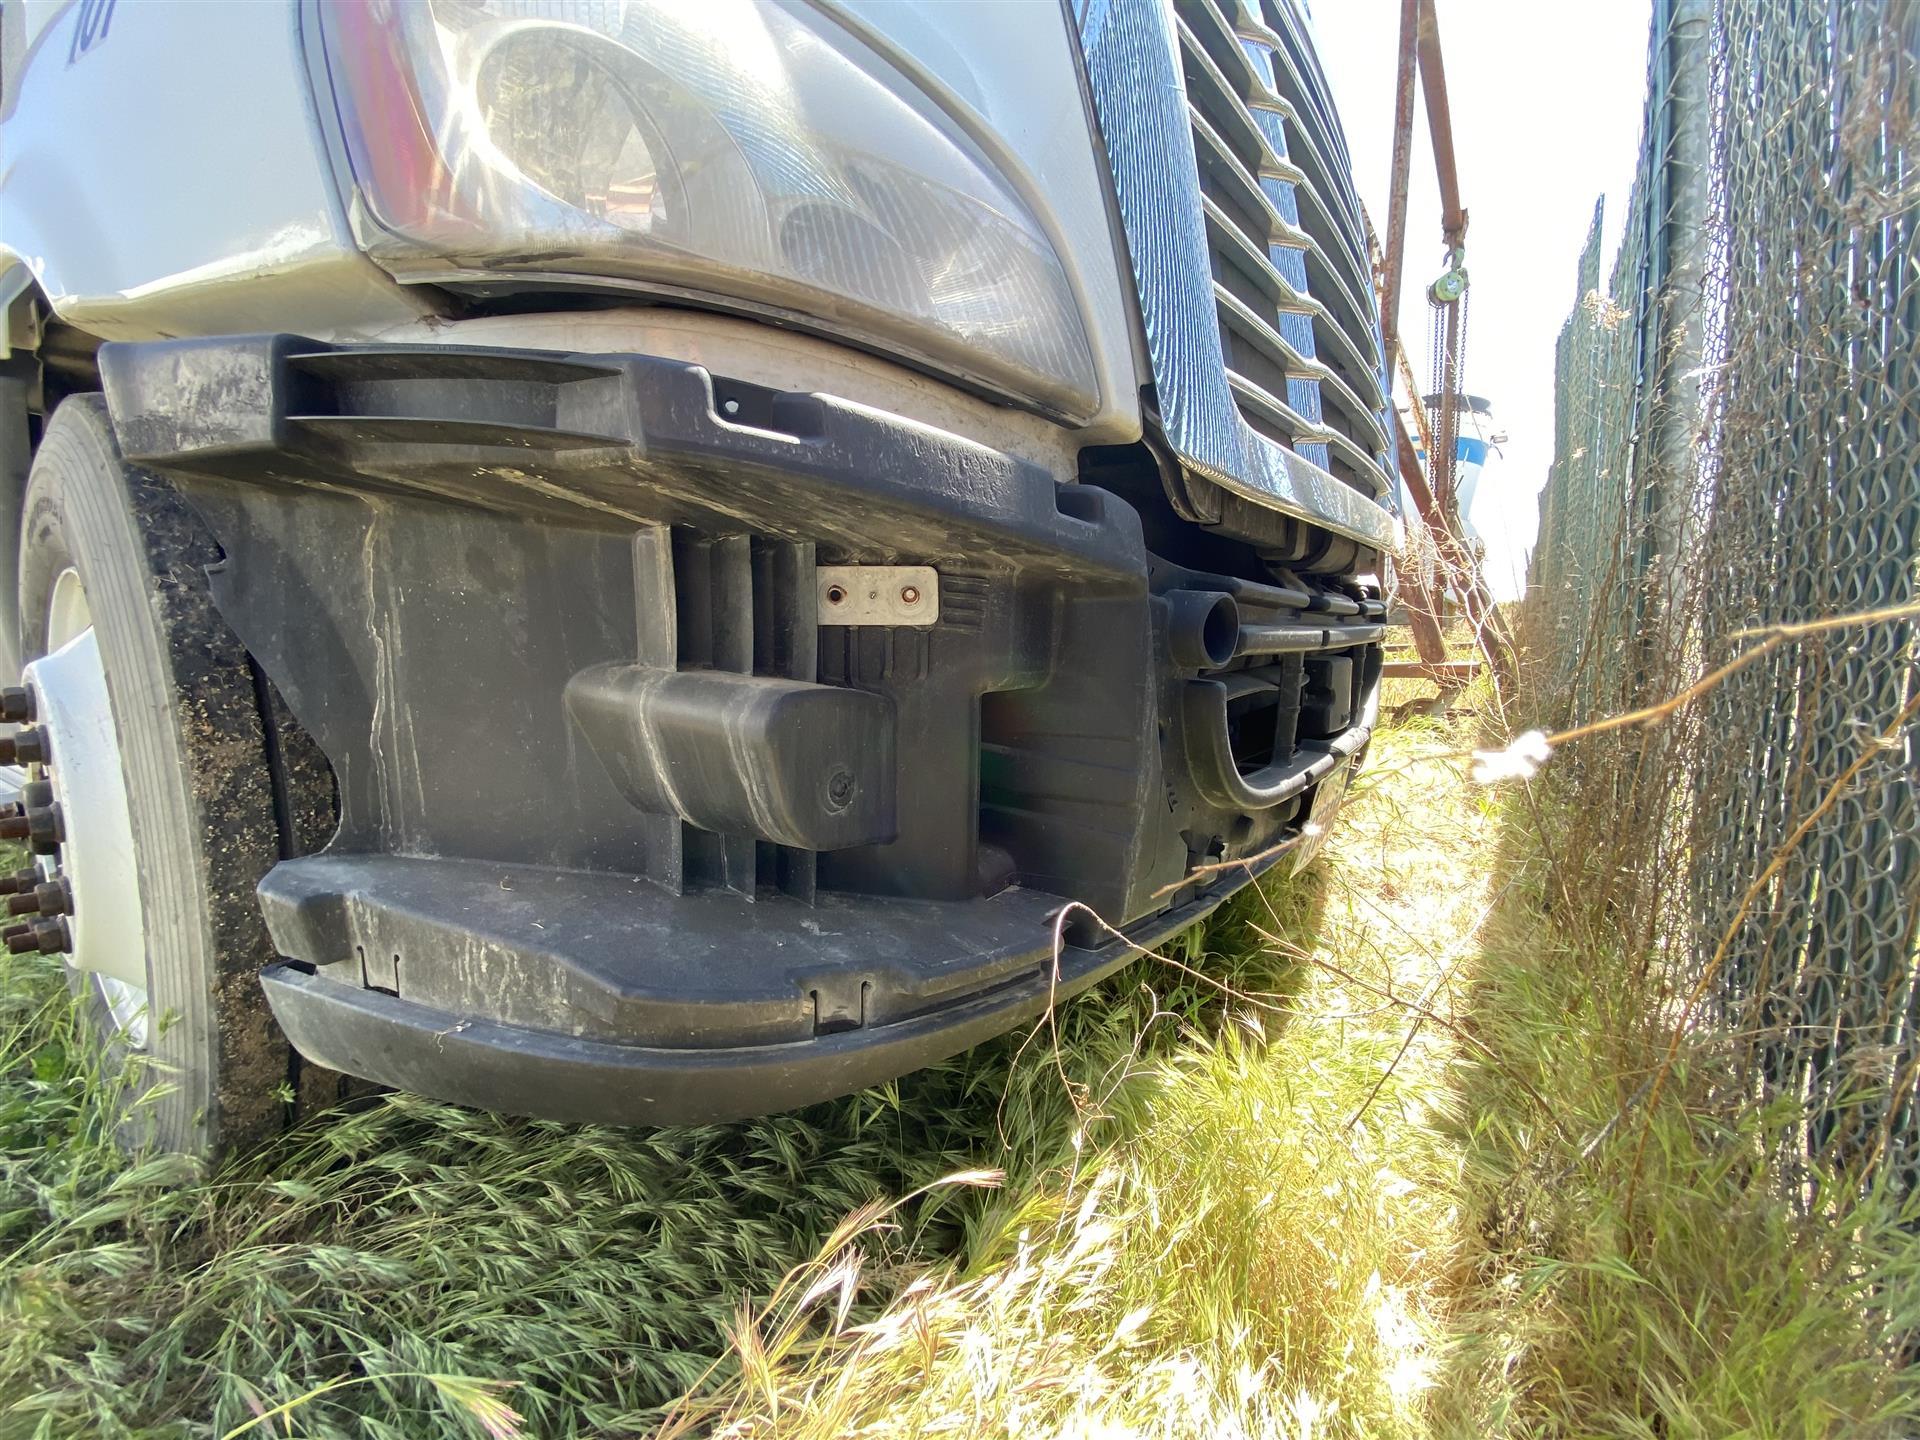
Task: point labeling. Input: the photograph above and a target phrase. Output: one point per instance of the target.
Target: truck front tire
(219, 786)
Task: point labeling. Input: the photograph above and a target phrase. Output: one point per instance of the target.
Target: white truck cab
(623, 559)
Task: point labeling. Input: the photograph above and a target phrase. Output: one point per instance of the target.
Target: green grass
(1340, 1165)
(1640, 1272)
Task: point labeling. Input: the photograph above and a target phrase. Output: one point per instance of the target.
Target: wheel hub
(82, 896)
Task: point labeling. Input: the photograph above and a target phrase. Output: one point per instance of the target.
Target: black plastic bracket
(608, 786)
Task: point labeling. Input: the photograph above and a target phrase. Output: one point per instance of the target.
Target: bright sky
(1547, 98)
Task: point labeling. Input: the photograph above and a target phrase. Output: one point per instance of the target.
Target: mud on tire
(221, 784)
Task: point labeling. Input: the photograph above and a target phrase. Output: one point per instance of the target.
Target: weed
(1349, 1161)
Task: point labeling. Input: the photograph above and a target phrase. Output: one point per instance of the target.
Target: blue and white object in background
(1477, 436)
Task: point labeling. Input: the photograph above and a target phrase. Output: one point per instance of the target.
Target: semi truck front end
(647, 562)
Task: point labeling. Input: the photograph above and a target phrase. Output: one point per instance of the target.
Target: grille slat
(1255, 292)
(1228, 239)
(1220, 166)
(1299, 343)
(1245, 321)
(1284, 423)
(1298, 160)
(1298, 79)
(1238, 82)
(1279, 415)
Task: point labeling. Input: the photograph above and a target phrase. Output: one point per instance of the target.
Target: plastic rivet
(840, 789)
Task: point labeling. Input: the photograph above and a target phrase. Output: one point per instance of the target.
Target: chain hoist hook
(1453, 283)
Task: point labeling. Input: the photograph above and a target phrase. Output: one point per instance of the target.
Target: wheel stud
(28, 747)
(49, 937)
(16, 705)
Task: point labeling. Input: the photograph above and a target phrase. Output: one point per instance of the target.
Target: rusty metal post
(1423, 603)
(1419, 54)
(1433, 85)
(1393, 264)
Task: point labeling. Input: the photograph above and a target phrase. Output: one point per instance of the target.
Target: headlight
(719, 150)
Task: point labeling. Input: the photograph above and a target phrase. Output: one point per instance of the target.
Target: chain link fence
(1737, 455)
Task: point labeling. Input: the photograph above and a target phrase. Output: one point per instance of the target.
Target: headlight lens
(719, 149)
(561, 115)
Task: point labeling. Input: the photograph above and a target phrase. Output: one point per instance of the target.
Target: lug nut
(16, 705)
(20, 881)
(29, 747)
(36, 793)
(50, 897)
(41, 827)
(55, 896)
(49, 937)
(46, 828)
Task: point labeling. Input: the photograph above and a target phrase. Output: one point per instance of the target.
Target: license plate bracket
(1327, 798)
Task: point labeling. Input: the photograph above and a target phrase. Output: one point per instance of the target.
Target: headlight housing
(724, 151)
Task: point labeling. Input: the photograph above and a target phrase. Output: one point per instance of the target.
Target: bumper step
(664, 977)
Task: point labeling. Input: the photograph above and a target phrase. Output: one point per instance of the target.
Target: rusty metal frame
(1420, 57)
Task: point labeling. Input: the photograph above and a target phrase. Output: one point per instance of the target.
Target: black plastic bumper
(630, 829)
(452, 1054)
